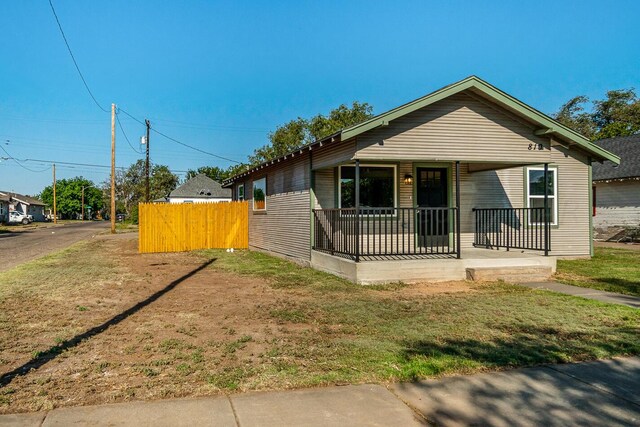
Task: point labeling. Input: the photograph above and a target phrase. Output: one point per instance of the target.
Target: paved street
(583, 394)
(16, 248)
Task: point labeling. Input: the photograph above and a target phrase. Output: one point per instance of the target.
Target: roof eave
(335, 137)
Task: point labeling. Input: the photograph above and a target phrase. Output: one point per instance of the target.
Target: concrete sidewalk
(594, 393)
(588, 293)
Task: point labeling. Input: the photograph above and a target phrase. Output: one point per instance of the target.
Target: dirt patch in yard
(166, 332)
(438, 288)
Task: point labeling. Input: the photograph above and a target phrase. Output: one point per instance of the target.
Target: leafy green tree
(69, 196)
(131, 186)
(214, 172)
(616, 115)
(573, 115)
(300, 131)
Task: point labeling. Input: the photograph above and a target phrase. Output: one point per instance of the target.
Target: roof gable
(201, 186)
(548, 126)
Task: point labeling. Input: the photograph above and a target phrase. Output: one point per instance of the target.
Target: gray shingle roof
(628, 149)
(27, 199)
(201, 187)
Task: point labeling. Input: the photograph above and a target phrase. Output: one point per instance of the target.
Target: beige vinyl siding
(617, 204)
(460, 127)
(284, 228)
(325, 188)
(572, 235)
(333, 154)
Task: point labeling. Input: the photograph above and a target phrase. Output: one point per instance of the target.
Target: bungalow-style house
(199, 189)
(616, 188)
(4, 209)
(446, 187)
(26, 205)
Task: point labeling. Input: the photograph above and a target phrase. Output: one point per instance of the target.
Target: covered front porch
(435, 223)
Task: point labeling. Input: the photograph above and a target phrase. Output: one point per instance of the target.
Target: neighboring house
(25, 204)
(4, 208)
(200, 189)
(617, 187)
(421, 191)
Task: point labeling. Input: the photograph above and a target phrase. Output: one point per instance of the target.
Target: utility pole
(55, 212)
(113, 168)
(146, 165)
(82, 203)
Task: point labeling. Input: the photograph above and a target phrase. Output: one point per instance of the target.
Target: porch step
(515, 274)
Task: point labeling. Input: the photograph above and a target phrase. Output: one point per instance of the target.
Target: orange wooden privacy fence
(167, 227)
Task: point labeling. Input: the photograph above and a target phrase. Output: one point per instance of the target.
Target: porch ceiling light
(408, 179)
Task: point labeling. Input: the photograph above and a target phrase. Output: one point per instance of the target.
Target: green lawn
(613, 270)
(364, 333)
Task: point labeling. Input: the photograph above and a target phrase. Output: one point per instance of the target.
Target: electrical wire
(74, 59)
(125, 135)
(180, 142)
(208, 126)
(21, 165)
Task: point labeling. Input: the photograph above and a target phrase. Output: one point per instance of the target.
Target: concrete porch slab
(434, 269)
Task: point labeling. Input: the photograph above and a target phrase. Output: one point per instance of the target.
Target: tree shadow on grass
(529, 345)
(533, 396)
(615, 284)
(41, 358)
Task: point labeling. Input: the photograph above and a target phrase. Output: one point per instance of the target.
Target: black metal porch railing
(517, 228)
(386, 232)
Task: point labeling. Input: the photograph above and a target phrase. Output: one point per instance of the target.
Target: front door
(433, 192)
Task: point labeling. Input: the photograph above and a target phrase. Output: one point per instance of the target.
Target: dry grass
(253, 322)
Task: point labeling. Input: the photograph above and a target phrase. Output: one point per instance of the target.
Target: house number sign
(534, 147)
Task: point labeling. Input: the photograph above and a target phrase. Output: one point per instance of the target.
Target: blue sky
(221, 75)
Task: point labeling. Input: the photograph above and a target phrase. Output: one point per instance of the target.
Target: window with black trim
(260, 194)
(377, 186)
(535, 193)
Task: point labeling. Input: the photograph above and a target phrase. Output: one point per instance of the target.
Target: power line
(74, 59)
(208, 126)
(125, 135)
(20, 164)
(180, 142)
(62, 163)
(75, 164)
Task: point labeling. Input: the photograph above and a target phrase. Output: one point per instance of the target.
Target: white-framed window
(240, 192)
(535, 193)
(260, 194)
(378, 186)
